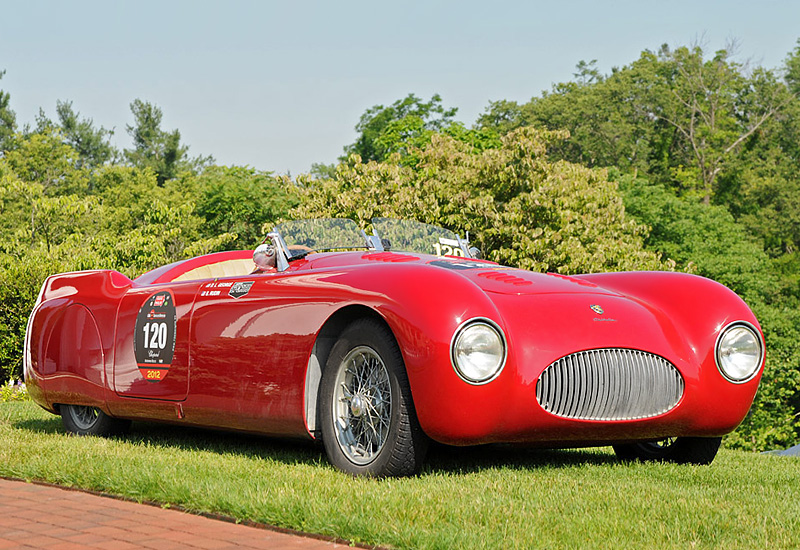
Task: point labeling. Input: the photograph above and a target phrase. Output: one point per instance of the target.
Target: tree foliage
(704, 239)
(92, 144)
(382, 130)
(521, 208)
(405, 128)
(241, 201)
(8, 119)
(673, 114)
(793, 70)
(156, 149)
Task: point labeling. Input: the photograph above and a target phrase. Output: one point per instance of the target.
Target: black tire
(681, 450)
(369, 425)
(82, 420)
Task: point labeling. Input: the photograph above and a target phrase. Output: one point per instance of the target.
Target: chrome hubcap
(357, 405)
(362, 405)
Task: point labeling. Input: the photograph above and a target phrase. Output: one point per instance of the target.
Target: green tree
(587, 73)
(703, 239)
(503, 116)
(792, 74)
(715, 109)
(321, 170)
(241, 200)
(45, 159)
(93, 145)
(156, 149)
(520, 207)
(8, 119)
(761, 186)
(20, 281)
(145, 224)
(610, 118)
(382, 130)
(672, 114)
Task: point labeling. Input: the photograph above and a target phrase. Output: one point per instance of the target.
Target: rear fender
(68, 357)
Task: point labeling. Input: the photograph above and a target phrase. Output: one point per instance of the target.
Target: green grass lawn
(465, 498)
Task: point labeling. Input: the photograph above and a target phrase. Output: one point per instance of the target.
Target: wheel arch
(326, 338)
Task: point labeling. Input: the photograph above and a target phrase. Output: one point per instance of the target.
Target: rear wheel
(369, 426)
(83, 420)
(682, 450)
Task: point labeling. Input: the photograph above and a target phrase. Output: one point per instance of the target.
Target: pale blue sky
(280, 85)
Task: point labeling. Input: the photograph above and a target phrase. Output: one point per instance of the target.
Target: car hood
(488, 276)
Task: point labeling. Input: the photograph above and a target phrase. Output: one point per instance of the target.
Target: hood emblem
(597, 309)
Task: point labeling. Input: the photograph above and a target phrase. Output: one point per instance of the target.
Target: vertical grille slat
(581, 393)
(609, 384)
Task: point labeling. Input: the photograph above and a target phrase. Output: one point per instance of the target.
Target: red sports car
(379, 343)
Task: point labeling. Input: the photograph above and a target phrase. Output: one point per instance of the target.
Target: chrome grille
(609, 384)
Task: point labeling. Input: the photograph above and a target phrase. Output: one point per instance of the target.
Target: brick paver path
(38, 516)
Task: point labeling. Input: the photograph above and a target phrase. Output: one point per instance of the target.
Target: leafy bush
(20, 282)
(519, 207)
(13, 391)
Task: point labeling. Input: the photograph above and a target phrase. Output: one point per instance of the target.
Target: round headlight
(739, 352)
(479, 351)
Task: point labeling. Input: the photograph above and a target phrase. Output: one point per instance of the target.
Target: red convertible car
(377, 344)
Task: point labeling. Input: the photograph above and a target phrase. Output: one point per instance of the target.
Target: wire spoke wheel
(84, 417)
(368, 423)
(362, 405)
(87, 420)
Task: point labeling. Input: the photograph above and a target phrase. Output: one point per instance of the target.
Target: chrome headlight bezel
(720, 360)
(462, 370)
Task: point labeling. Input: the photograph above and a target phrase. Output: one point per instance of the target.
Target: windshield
(304, 236)
(413, 236)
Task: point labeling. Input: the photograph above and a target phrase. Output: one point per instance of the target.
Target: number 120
(155, 335)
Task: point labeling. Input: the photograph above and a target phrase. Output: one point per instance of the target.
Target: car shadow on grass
(50, 425)
(441, 459)
(446, 459)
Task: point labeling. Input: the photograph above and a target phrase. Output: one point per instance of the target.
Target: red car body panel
(244, 346)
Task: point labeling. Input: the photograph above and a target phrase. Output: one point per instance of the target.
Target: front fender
(424, 306)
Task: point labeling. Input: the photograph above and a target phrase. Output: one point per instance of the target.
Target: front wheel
(682, 450)
(83, 420)
(369, 425)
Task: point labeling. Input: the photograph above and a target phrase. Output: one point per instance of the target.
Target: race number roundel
(154, 338)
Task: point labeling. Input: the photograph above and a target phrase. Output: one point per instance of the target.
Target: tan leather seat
(227, 268)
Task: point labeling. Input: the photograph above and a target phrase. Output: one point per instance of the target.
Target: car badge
(597, 309)
(240, 289)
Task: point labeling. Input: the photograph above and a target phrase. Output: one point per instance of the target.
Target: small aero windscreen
(413, 236)
(304, 236)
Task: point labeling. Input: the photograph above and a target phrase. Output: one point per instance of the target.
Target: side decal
(240, 289)
(154, 337)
